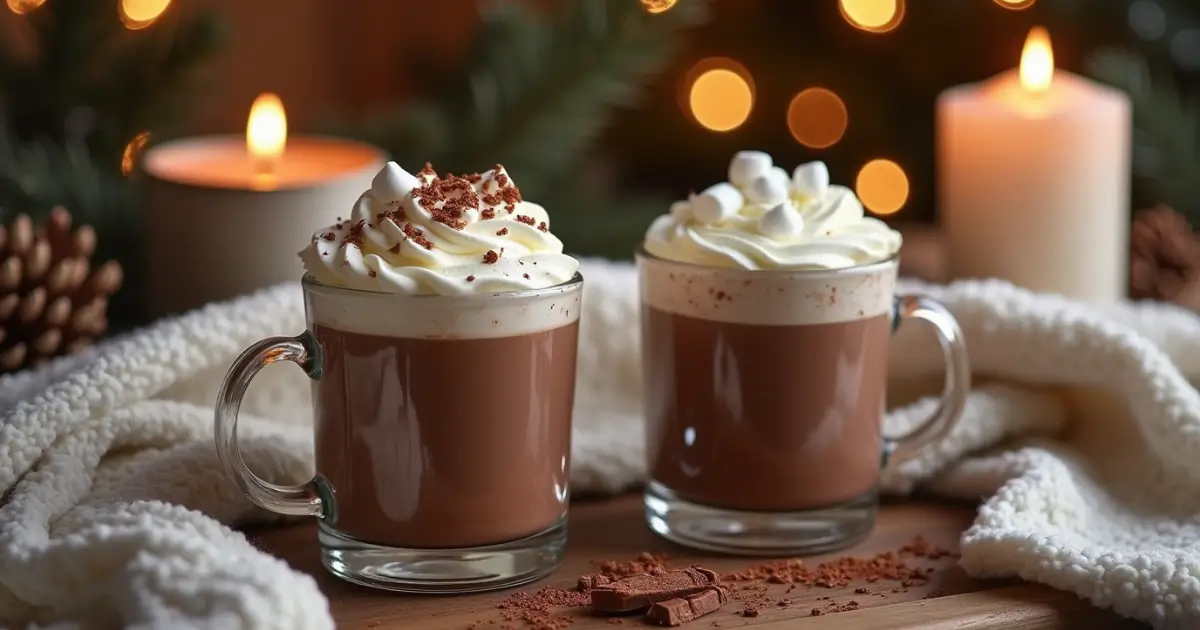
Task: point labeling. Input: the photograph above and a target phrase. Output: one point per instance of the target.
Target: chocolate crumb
(502, 232)
(372, 273)
(749, 611)
(525, 275)
(816, 612)
(527, 220)
(542, 227)
(328, 236)
(491, 257)
(470, 278)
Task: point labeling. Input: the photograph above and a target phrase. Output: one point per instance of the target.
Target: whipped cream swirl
(764, 218)
(425, 234)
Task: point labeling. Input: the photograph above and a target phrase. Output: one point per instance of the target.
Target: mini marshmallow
(782, 222)
(681, 211)
(769, 188)
(811, 180)
(746, 166)
(392, 183)
(716, 204)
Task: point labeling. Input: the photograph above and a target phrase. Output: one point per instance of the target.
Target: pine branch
(91, 78)
(1166, 133)
(539, 89)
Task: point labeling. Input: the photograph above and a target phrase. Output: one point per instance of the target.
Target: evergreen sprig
(1166, 158)
(538, 89)
(90, 80)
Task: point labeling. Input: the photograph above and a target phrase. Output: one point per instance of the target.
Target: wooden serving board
(612, 529)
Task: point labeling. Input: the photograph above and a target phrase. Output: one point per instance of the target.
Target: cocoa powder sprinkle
(550, 608)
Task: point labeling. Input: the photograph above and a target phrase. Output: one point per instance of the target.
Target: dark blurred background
(603, 110)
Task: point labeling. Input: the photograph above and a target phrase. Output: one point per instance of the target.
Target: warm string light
(657, 6)
(138, 14)
(882, 186)
(720, 94)
(21, 7)
(1016, 5)
(817, 118)
(873, 16)
(132, 151)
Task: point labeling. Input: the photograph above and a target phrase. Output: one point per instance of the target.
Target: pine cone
(1164, 261)
(51, 301)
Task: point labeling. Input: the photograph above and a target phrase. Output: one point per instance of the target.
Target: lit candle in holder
(227, 214)
(1033, 172)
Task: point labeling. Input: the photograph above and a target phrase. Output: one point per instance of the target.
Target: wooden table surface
(612, 529)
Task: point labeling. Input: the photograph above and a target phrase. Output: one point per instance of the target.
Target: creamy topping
(449, 235)
(762, 218)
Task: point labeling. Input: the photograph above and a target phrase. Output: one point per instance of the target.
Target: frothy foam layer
(424, 234)
(778, 298)
(449, 317)
(764, 218)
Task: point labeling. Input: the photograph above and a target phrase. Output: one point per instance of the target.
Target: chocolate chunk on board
(674, 612)
(639, 592)
(592, 580)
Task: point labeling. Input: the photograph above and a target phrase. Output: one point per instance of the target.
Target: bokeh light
(720, 94)
(132, 151)
(138, 14)
(873, 16)
(1016, 5)
(1147, 19)
(1185, 48)
(657, 6)
(882, 186)
(21, 7)
(817, 118)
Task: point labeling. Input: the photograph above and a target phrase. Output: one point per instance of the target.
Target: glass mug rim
(641, 253)
(310, 283)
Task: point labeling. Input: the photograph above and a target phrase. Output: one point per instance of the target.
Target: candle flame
(1037, 61)
(266, 131)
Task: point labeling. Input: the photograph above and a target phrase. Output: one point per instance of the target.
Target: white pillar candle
(1033, 169)
(226, 215)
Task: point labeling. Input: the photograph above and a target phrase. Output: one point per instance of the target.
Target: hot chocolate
(435, 443)
(742, 432)
(765, 391)
(442, 320)
(767, 305)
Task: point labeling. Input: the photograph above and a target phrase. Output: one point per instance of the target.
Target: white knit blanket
(1082, 432)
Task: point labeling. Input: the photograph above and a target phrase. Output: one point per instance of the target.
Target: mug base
(443, 571)
(752, 533)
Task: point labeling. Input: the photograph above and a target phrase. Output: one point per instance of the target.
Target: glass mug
(442, 430)
(765, 398)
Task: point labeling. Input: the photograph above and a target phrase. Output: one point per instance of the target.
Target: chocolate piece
(592, 580)
(638, 592)
(681, 610)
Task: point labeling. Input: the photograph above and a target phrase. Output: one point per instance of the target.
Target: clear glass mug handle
(955, 388)
(308, 499)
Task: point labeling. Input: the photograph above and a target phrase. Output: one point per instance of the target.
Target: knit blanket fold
(1081, 434)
